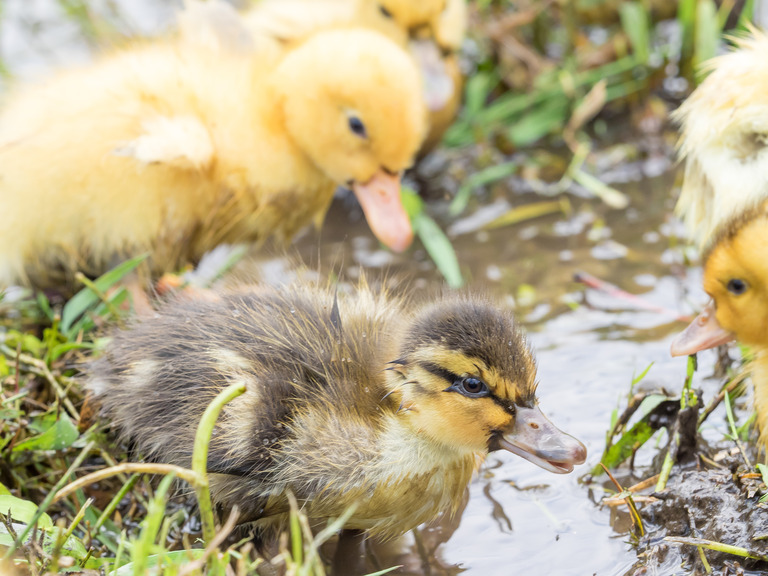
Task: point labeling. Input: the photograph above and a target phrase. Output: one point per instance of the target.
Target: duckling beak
(703, 333)
(380, 199)
(536, 439)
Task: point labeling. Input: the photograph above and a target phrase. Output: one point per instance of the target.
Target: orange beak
(703, 333)
(380, 199)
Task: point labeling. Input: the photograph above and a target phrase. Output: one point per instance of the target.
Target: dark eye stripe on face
(439, 371)
(507, 405)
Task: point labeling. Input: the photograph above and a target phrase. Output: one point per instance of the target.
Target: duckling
(723, 141)
(173, 150)
(433, 29)
(736, 278)
(355, 399)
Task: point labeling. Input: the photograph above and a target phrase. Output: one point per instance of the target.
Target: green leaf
(435, 242)
(176, 558)
(73, 546)
(707, 32)
(539, 122)
(9, 413)
(412, 202)
(58, 437)
(643, 374)
(634, 20)
(57, 351)
(478, 89)
(28, 343)
(440, 249)
(635, 437)
(763, 469)
(482, 178)
(86, 299)
(631, 440)
(22, 511)
(528, 212)
(43, 422)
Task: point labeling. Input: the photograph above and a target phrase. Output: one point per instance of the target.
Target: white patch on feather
(181, 141)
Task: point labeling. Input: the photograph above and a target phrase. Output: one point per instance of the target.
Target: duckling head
(466, 378)
(352, 102)
(432, 28)
(401, 19)
(736, 277)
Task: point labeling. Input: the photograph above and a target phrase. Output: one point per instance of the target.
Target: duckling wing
(179, 141)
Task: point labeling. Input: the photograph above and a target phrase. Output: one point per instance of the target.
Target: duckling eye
(470, 387)
(357, 126)
(384, 12)
(737, 286)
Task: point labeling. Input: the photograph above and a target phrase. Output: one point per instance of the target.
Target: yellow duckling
(724, 135)
(172, 150)
(736, 277)
(348, 400)
(433, 29)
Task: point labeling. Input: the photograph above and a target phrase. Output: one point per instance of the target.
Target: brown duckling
(355, 400)
(173, 149)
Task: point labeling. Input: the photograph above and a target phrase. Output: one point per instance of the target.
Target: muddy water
(519, 519)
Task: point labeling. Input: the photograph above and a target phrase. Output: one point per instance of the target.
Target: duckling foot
(349, 559)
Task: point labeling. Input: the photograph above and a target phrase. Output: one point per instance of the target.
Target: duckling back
(723, 140)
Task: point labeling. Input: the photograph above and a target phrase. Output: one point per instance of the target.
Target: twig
(716, 546)
(619, 501)
(734, 432)
(732, 385)
(40, 368)
(616, 292)
(124, 489)
(633, 512)
(127, 467)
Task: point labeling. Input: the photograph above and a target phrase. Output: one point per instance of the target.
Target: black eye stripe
(507, 405)
(439, 371)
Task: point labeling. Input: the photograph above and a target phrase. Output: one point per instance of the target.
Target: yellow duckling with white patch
(736, 277)
(172, 149)
(433, 30)
(724, 139)
(356, 399)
